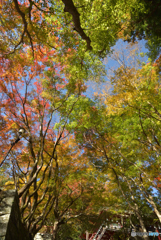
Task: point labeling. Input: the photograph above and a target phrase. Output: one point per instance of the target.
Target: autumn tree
(122, 136)
(49, 49)
(135, 121)
(88, 26)
(46, 168)
(43, 74)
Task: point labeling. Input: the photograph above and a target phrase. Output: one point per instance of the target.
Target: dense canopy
(80, 155)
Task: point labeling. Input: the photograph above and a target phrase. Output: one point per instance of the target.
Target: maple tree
(55, 183)
(49, 49)
(146, 20)
(122, 137)
(42, 78)
(135, 121)
(83, 25)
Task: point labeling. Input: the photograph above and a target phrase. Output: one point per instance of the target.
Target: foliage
(122, 139)
(146, 20)
(74, 147)
(46, 167)
(154, 48)
(80, 25)
(134, 114)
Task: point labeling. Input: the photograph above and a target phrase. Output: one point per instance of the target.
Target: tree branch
(70, 8)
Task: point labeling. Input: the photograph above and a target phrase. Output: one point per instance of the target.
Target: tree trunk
(55, 230)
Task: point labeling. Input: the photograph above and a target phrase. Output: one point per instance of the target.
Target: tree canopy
(80, 155)
(83, 25)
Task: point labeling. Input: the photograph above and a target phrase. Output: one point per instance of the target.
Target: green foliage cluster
(123, 133)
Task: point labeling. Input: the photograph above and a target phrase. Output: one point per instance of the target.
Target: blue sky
(123, 49)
